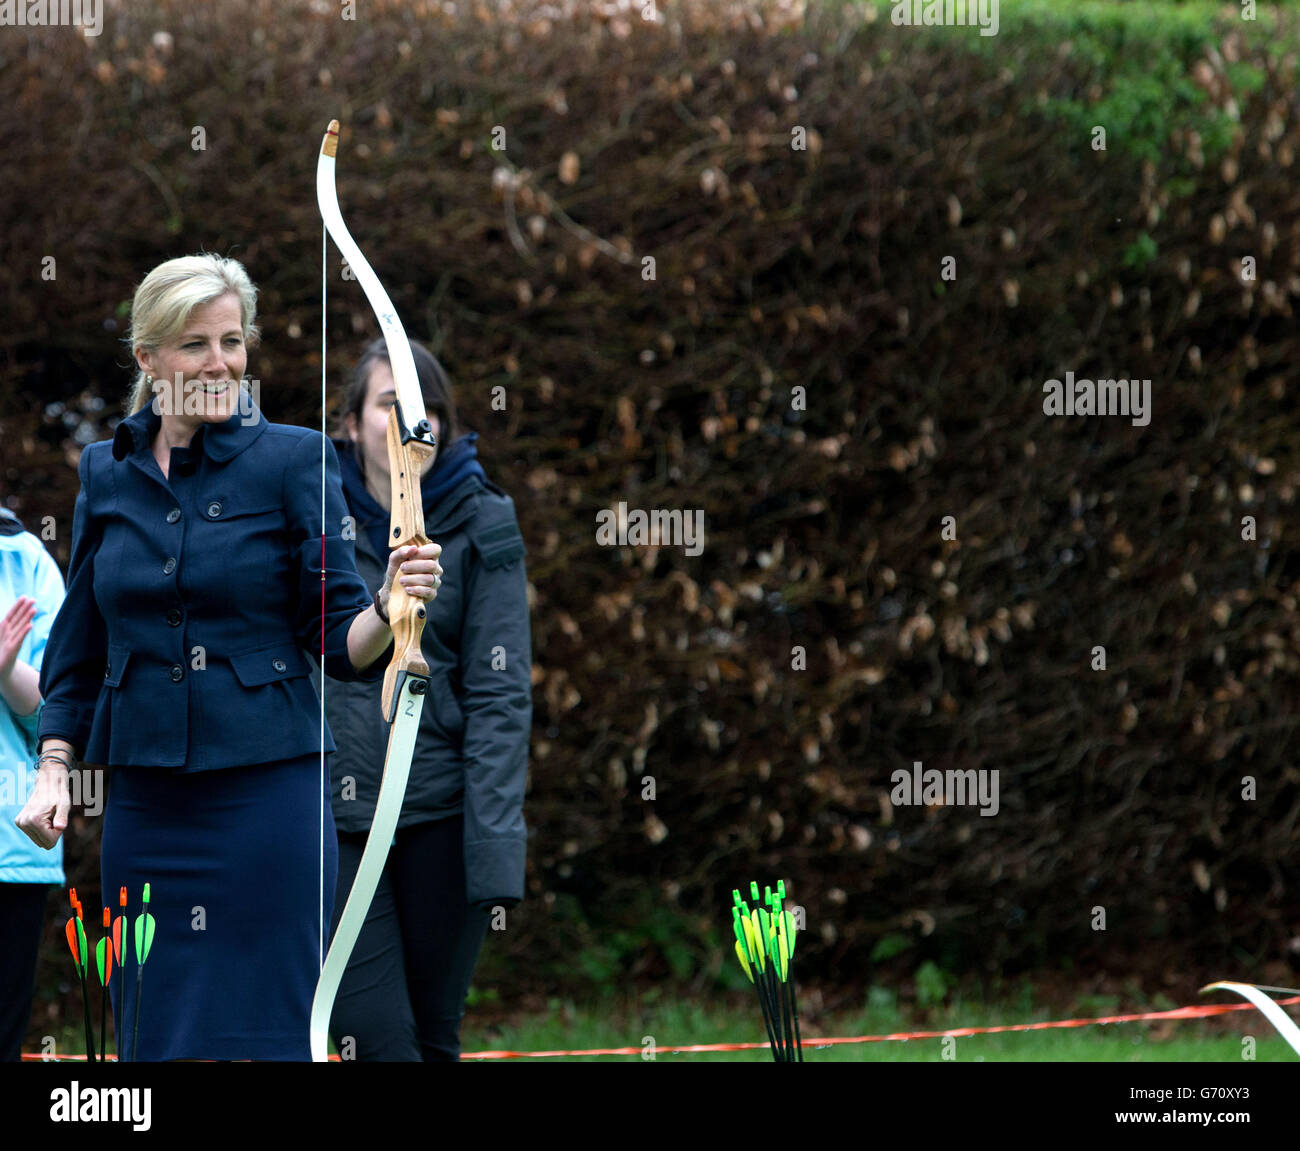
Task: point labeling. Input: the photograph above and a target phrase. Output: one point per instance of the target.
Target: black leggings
(402, 997)
(22, 917)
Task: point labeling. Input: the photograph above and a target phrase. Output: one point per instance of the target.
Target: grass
(626, 1024)
(735, 1019)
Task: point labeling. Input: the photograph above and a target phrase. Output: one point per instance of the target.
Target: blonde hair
(166, 297)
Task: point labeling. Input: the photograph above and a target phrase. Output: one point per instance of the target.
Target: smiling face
(208, 359)
(370, 431)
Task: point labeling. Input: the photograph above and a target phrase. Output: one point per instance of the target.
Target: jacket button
(178, 673)
(173, 515)
(108, 670)
(174, 617)
(279, 664)
(169, 566)
(214, 509)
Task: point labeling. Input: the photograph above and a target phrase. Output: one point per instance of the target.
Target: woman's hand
(418, 570)
(45, 816)
(14, 628)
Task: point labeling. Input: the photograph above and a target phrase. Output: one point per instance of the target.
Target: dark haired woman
(458, 858)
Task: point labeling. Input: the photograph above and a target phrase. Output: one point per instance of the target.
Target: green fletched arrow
(144, 929)
(104, 961)
(744, 962)
(76, 934)
(104, 965)
(765, 945)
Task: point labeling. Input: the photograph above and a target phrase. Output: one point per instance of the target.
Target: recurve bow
(406, 681)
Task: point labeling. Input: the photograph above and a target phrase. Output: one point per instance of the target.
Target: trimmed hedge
(776, 268)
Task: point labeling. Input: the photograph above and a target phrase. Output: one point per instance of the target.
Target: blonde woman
(179, 660)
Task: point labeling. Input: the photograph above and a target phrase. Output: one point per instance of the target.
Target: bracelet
(56, 755)
(379, 611)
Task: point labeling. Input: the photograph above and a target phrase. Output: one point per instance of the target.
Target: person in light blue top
(31, 590)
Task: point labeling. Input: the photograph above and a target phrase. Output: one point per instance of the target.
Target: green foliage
(1097, 1005)
(1141, 252)
(881, 998)
(1124, 67)
(649, 937)
(1244, 78)
(731, 977)
(1140, 108)
(476, 998)
(888, 946)
(931, 986)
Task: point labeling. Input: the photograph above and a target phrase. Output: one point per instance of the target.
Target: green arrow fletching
(744, 963)
(82, 946)
(736, 927)
(144, 928)
(748, 929)
(104, 961)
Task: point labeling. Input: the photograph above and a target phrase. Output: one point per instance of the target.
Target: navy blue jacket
(193, 599)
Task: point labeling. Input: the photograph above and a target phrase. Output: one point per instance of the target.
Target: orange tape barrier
(956, 1032)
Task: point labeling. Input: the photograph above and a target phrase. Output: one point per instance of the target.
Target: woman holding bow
(201, 576)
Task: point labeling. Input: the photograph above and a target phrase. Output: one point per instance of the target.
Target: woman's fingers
(421, 562)
(45, 817)
(423, 585)
(23, 608)
(17, 621)
(417, 569)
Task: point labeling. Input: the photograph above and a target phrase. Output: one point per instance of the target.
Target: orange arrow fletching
(121, 939)
(74, 941)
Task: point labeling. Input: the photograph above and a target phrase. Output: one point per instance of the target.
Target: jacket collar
(221, 442)
(455, 507)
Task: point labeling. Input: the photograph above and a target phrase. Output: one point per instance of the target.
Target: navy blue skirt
(233, 860)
